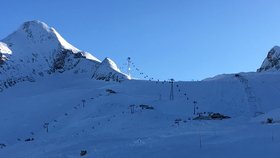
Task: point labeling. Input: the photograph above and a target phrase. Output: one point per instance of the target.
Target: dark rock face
(108, 77)
(13, 72)
(66, 60)
(10, 82)
(1, 59)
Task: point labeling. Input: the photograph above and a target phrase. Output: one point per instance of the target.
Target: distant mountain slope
(35, 49)
(271, 62)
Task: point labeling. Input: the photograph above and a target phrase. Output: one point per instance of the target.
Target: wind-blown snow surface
(83, 115)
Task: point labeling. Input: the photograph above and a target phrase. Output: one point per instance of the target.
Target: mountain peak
(272, 60)
(35, 24)
(37, 34)
(108, 70)
(110, 63)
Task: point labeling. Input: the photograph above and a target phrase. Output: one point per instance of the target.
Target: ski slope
(83, 114)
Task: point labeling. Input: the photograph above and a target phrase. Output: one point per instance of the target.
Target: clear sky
(181, 39)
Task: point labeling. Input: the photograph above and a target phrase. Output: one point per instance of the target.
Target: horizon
(193, 40)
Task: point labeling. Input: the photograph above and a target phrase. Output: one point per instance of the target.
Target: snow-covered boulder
(271, 62)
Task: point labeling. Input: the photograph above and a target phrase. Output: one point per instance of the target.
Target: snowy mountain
(271, 62)
(36, 49)
(67, 114)
(107, 71)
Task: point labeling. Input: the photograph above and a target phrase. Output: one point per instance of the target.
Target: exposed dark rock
(211, 116)
(143, 106)
(2, 146)
(83, 153)
(29, 139)
(111, 91)
(269, 120)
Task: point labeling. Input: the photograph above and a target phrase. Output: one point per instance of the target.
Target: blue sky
(181, 39)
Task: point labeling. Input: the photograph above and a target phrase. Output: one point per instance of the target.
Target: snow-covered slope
(271, 62)
(59, 116)
(36, 49)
